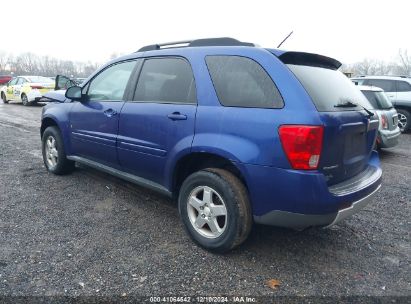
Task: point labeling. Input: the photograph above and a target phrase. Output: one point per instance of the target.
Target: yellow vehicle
(27, 89)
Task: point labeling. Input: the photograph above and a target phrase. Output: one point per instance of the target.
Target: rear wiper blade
(350, 104)
(346, 104)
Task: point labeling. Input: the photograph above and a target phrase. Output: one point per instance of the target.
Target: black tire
(407, 124)
(4, 98)
(25, 100)
(235, 197)
(62, 165)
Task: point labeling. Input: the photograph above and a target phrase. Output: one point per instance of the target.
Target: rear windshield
(329, 88)
(39, 79)
(378, 100)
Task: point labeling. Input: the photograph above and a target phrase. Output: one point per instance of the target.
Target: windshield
(378, 100)
(329, 88)
(39, 79)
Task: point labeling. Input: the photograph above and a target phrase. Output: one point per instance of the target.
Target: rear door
(159, 121)
(17, 88)
(349, 132)
(403, 90)
(94, 121)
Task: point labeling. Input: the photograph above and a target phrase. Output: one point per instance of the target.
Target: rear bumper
(301, 221)
(300, 199)
(388, 139)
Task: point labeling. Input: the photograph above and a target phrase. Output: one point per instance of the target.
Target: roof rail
(224, 41)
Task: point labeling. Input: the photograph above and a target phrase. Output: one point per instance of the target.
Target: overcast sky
(93, 30)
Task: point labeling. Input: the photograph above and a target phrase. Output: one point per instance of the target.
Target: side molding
(123, 175)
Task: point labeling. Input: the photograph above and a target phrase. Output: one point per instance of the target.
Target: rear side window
(242, 82)
(329, 88)
(403, 86)
(168, 80)
(386, 85)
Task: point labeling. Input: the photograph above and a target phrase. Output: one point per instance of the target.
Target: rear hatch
(349, 129)
(385, 110)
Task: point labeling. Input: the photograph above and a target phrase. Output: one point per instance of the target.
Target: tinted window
(386, 85)
(242, 82)
(166, 80)
(111, 83)
(403, 86)
(378, 100)
(328, 88)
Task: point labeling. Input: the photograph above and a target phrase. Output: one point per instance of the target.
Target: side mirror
(74, 93)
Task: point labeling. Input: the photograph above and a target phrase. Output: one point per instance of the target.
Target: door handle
(110, 112)
(177, 116)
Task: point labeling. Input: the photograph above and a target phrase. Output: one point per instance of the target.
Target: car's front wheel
(54, 156)
(404, 120)
(215, 209)
(4, 98)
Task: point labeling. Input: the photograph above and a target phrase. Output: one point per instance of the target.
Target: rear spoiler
(300, 58)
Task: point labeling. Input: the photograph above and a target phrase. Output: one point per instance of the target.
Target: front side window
(111, 83)
(13, 81)
(166, 80)
(20, 81)
(386, 85)
(403, 86)
(242, 82)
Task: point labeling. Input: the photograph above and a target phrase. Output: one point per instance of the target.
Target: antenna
(285, 39)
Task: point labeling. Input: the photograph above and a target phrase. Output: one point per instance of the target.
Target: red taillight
(384, 121)
(36, 87)
(302, 145)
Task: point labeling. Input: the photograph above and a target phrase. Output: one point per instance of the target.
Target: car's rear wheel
(4, 98)
(215, 209)
(404, 120)
(54, 156)
(25, 100)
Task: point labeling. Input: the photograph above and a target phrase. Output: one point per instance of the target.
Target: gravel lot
(91, 234)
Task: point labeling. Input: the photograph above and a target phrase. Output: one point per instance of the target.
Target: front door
(160, 120)
(94, 121)
(10, 89)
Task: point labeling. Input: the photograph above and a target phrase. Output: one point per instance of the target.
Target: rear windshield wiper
(350, 104)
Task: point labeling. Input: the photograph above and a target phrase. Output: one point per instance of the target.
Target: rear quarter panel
(248, 135)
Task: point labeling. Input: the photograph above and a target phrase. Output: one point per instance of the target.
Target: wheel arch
(196, 161)
(47, 122)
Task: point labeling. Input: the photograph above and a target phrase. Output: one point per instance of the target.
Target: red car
(4, 79)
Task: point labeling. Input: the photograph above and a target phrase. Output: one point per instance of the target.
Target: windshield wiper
(350, 104)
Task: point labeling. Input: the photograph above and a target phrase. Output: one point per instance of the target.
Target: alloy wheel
(51, 152)
(207, 212)
(402, 121)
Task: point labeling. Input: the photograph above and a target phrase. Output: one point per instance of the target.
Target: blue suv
(236, 133)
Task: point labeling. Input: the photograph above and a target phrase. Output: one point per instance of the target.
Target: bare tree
(4, 60)
(404, 62)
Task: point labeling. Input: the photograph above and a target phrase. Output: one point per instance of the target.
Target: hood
(58, 95)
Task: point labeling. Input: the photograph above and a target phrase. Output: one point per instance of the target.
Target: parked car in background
(398, 89)
(5, 79)
(27, 89)
(388, 130)
(236, 133)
